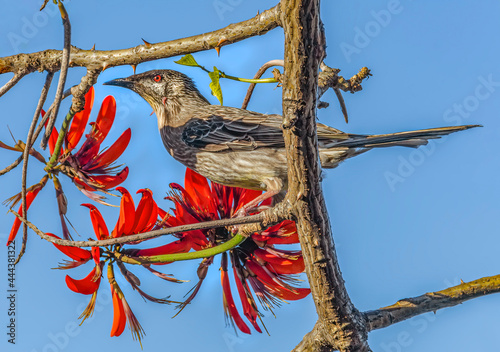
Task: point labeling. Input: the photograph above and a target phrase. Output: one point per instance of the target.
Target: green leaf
(215, 85)
(187, 60)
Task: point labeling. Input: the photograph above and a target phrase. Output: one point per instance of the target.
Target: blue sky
(405, 221)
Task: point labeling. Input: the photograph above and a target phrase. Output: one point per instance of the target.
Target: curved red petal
(282, 233)
(85, 286)
(75, 253)
(146, 213)
(246, 301)
(282, 266)
(182, 245)
(119, 317)
(53, 136)
(30, 196)
(80, 122)
(125, 224)
(105, 118)
(198, 188)
(110, 181)
(245, 197)
(289, 294)
(100, 228)
(229, 303)
(113, 152)
(96, 254)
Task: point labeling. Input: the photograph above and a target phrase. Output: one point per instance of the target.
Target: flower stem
(60, 140)
(175, 257)
(249, 80)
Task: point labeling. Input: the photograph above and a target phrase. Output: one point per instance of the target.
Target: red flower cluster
(257, 264)
(131, 220)
(259, 268)
(89, 168)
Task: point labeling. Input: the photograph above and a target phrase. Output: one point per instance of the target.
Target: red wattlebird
(241, 148)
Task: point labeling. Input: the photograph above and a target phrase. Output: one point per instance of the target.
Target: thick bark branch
(430, 302)
(340, 325)
(50, 60)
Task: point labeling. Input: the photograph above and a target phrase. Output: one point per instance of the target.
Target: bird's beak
(121, 82)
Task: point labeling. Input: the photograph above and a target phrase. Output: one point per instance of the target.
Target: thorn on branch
(146, 43)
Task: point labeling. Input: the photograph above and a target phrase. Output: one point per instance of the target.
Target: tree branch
(430, 302)
(255, 223)
(49, 60)
(13, 81)
(340, 325)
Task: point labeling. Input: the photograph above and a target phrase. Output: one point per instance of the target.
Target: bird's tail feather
(334, 154)
(411, 139)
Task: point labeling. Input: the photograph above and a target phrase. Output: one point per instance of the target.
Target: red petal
(53, 136)
(125, 223)
(281, 265)
(245, 196)
(246, 301)
(30, 196)
(180, 246)
(85, 286)
(119, 317)
(80, 121)
(96, 254)
(105, 118)
(75, 253)
(229, 303)
(100, 228)
(282, 233)
(198, 188)
(110, 181)
(113, 152)
(276, 288)
(146, 213)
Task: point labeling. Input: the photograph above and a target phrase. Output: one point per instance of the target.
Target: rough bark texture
(340, 326)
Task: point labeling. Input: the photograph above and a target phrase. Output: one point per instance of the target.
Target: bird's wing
(247, 131)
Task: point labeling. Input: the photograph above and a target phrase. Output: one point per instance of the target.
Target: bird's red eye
(157, 78)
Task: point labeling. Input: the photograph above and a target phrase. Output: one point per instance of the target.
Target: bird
(241, 148)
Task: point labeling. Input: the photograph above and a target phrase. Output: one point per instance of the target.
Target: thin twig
(62, 77)
(41, 125)
(146, 235)
(11, 166)
(29, 142)
(252, 224)
(13, 81)
(258, 75)
(430, 302)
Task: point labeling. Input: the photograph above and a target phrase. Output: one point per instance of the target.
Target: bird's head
(165, 90)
